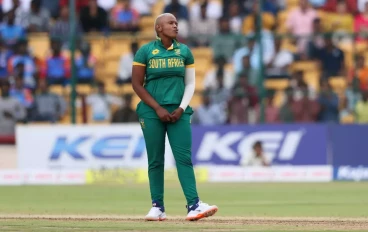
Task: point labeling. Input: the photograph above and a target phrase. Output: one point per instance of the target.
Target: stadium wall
(68, 154)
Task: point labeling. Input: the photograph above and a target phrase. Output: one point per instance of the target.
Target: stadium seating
(109, 50)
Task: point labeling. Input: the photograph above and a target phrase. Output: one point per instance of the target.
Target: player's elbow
(136, 85)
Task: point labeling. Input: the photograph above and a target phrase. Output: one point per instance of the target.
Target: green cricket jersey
(165, 72)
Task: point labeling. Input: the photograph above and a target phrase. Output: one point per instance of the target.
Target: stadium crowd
(292, 31)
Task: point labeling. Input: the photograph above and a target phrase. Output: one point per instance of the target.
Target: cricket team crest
(156, 51)
(177, 52)
(141, 121)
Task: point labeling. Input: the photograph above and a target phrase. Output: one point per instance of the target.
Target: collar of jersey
(175, 43)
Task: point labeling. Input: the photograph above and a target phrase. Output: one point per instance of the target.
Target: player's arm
(189, 87)
(138, 74)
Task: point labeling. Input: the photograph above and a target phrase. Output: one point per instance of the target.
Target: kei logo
(156, 51)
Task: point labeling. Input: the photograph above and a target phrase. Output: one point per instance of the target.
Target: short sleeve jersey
(165, 70)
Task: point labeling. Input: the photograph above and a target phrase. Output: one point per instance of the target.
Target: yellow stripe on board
(139, 64)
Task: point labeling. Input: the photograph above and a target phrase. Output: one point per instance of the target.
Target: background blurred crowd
(292, 31)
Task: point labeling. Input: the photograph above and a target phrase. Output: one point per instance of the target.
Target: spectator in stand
(361, 109)
(181, 14)
(85, 64)
(251, 95)
(344, 112)
(341, 20)
(286, 113)
(316, 43)
(61, 28)
(245, 51)
(79, 4)
(213, 11)
(242, 4)
(298, 86)
(20, 8)
(236, 21)
(11, 32)
(329, 103)
(271, 111)
(238, 106)
(245, 66)
(37, 19)
(300, 23)
(11, 111)
(210, 79)
(21, 93)
(317, 4)
(101, 103)
(305, 110)
(18, 71)
(360, 71)
(352, 94)
(5, 55)
(252, 49)
(203, 28)
(125, 66)
(361, 5)
(280, 62)
(144, 7)
(221, 94)
(53, 7)
(56, 68)
(271, 6)
(361, 25)
(249, 89)
(124, 18)
(250, 22)
(225, 43)
(125, 113)
(332, 60)
(208, 113)
(22, 56)
(332, 5)
(107, 5)
(48, 107)
(256, 157)
(180, 11)
(93, 18)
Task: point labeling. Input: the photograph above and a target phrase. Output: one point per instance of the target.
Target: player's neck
(167, 42)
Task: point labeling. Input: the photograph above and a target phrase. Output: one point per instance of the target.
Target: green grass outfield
(242, 207)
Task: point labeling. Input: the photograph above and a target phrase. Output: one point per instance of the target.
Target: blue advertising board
(349, 144)
(283, 144)
(350, 173)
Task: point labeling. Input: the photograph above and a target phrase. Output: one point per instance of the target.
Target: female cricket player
(164, 79)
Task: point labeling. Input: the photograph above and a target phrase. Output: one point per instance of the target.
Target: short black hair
(257, 144)
(36, 3)
(128, 96)
(224, 19)
(134, 45)
(5, 83)
(100, 84)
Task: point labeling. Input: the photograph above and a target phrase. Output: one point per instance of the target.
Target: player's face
(170, 27)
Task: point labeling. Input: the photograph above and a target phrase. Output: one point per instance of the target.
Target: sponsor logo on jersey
(156, 51)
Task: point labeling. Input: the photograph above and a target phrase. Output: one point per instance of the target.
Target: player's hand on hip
(175, 116)
(163, 114)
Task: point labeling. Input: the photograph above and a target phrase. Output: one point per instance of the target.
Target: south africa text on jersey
(166, 63)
